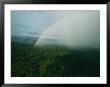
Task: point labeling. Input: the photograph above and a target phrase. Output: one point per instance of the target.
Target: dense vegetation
(52, 61)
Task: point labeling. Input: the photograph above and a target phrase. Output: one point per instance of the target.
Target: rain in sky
(75, 29)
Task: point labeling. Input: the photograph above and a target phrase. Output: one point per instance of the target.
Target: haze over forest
(55, 43)
(69, 28)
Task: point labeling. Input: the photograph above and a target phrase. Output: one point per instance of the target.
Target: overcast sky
(24, 22)
(78, 28)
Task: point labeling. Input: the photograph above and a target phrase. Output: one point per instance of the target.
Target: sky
(73, 28)
(23, 22)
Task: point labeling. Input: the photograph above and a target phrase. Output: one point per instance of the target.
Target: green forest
(53, 61)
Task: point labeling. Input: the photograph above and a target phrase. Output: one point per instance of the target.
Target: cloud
(79, 31)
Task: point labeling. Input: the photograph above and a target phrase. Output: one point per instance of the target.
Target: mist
(74, 29)
(81, 30)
